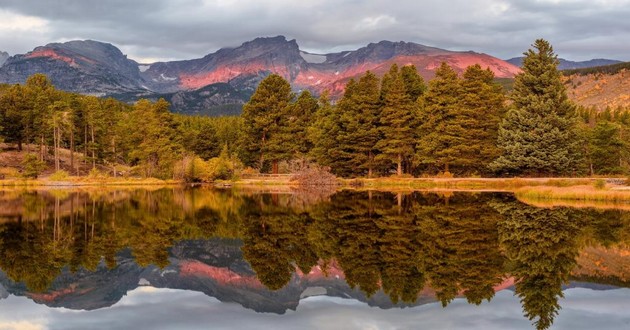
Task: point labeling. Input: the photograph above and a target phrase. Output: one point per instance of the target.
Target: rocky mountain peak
(4, 56)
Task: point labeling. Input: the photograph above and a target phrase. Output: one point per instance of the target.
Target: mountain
(244, 66)
(87, 67)
(4, 56)
(227, 77)
(600, 87)
(569, 65)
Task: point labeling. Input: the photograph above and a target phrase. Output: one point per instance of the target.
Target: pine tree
(538, 135)
(607, 148)
(397, 121)
(440, 131)
(323, 134)
(481, 107)
(261, 117)
(414, 83)
(360, 114)
(294, 125)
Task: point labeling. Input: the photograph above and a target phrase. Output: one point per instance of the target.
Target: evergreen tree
(323, 132)
(441, 132)
(12, 110)
(262, 115)
(414, 83)
(481, 107)
(359, 118)
(397, 121)
(292, 134)
(538, 135)
(607, 149)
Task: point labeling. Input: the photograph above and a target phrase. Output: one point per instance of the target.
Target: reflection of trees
(459, 235)
(542, 247)
(275, 242)
(455, 243)
(80, 230)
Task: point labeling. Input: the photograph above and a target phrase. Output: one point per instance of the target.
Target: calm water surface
(174, 258)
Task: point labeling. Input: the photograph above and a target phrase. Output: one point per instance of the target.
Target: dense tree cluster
(143, 139)
(462, 125)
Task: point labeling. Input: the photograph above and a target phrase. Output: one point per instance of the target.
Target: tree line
(456, 125)
(105, 135)
(464, 125)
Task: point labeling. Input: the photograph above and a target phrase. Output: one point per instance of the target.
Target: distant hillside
(604, 69)
(600, 87)
(567, 65)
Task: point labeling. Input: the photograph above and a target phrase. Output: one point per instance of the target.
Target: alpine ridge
(96, 68)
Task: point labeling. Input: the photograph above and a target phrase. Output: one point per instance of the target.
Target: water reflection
(59, 246)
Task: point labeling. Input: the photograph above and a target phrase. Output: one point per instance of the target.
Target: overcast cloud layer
(148, 308)
(150, 30)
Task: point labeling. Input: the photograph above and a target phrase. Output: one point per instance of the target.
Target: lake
(182, 258)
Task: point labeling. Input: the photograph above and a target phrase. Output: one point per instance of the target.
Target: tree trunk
(71, 149)
(93, 147)
(56, 146)
(114, 154)
(20, 145)
(85, 148)
(370, 164)
(399, 171)
(275, 166)
(41, 148)
(262, 146)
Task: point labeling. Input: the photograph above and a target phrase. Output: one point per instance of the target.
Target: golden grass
(86, 181)
(573, 193)
(492, 184)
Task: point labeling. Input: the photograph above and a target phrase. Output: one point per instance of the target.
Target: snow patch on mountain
(313, 58)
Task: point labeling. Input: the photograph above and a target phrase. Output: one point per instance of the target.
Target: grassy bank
(75, 181)
(490, 184)
(580, 193)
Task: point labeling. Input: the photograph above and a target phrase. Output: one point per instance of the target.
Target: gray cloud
(182, 29)
(148, 308)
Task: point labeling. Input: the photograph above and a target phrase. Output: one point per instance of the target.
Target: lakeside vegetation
(395, 126)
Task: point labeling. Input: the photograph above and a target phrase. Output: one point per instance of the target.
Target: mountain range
(225, 79)
(570, 65)
(221, 82)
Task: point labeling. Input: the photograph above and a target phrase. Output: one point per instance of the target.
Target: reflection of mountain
(215, 267)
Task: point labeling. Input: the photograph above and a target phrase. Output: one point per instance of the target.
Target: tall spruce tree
(414, 83)
(440, 132)
(397, 121)
(261, 116)
(295, 122)
(360, 114)
(539, 134)
(481, 107)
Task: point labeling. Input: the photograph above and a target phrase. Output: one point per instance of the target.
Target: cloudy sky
(151, 309)
(150, 30)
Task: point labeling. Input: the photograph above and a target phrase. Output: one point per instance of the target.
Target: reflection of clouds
(147, 308)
